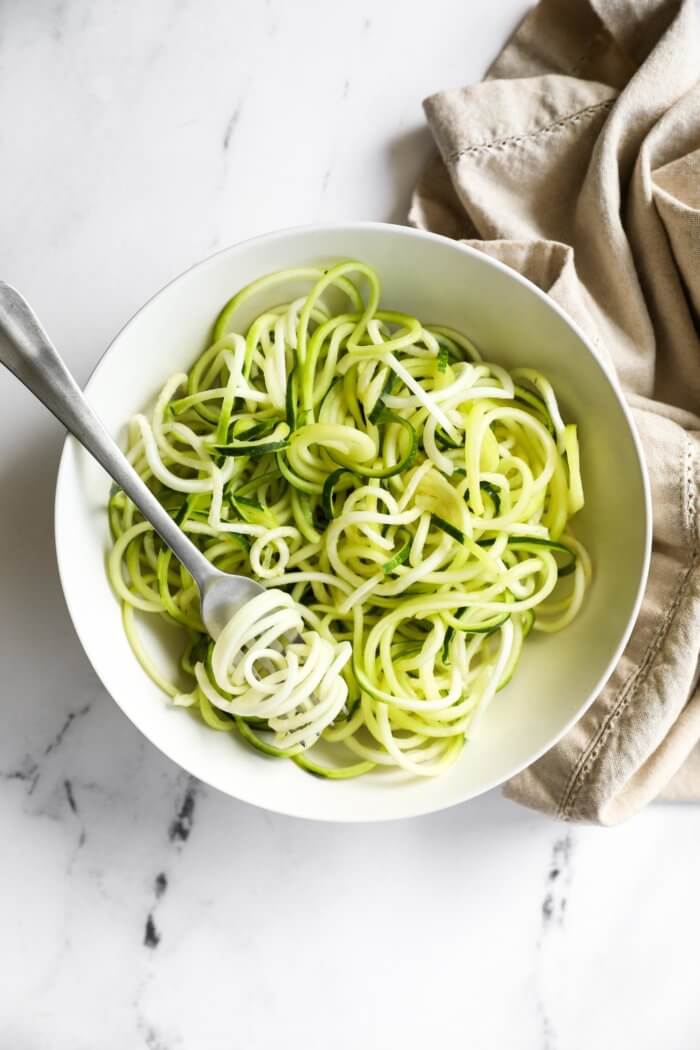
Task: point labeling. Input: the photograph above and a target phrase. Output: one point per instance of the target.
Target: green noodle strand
(405, 504)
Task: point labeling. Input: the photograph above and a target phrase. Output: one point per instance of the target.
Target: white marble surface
(138, 909)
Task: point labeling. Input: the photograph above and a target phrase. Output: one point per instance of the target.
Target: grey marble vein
(73, 806)
(70, 719)
(231, 126)
(558, 882)
(552, 915)
(151, 933)
(30, 770)
(27, 773)
(152, 1038)
(151, 936)
(181, 826)
(179, 831)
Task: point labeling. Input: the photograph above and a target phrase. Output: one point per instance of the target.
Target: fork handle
(27, 351)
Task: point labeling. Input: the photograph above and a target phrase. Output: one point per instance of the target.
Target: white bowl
(512, 322)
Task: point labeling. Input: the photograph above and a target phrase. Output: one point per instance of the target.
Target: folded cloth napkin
(577, 162)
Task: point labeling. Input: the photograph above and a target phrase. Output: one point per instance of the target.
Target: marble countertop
(137, 908)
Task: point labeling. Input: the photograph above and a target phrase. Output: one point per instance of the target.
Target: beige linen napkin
(577, 162)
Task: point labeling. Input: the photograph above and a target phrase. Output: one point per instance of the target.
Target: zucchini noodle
(405, 503)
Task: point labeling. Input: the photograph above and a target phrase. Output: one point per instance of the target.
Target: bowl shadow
(407, 156)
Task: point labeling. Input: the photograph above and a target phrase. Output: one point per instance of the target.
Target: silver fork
(26, 350)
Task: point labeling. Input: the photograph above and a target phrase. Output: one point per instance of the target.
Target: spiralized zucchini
(406, 503)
